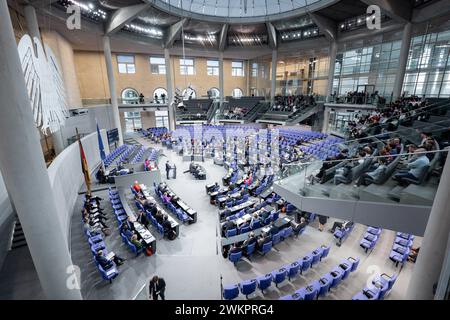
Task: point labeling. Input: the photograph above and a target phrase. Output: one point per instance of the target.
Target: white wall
(66, 177)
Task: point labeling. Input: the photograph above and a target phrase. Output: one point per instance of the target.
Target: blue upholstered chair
(248, 287)
(286, 233)
(293, 270)
(264, 282)
(235, 257)
(231, 233)
(279, 276)
(230, 292)
(325, 251)
(306, 263)
(266, 248)
(276, 238)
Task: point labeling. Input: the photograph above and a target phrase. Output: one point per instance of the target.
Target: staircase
(18, 238)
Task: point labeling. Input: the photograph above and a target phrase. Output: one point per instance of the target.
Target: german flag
(84, 166)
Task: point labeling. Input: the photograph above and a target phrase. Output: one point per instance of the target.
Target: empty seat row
(378, 289)
(401, 248)
(370, 238)
(277, 276)
(326, 283)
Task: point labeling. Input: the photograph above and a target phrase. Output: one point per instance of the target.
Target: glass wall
(428, 67)
(302, 75)
(260, 73)
(132, 121)
(372, 65)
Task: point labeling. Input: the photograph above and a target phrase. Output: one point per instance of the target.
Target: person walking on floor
(157, 286)
(322, 222)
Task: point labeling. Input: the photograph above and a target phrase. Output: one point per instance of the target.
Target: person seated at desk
(303, 223)
(136, 242)
(263, 214)
(255, 219)
(126, 231)
(150, 206)
(263, 239)
(159, 216)
(274, 229)
(249, 241)
(94, 221)
(166, 224)
(137, 187)
(130, 224)
(235, 249)
(166, 197)
(94, 229)
(101, 176)
(142, 218)
(227, 225)
(105, 263)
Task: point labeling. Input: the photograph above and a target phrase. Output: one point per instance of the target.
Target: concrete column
(333, 52)
(429, 262)
(22, 164)
(169, 84)
(404, 52)
(221, 87)
(112, 86)
(248, 78)
(274, 75)
(32, 23)
(326, 118)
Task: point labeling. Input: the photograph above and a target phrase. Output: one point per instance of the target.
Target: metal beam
(327, 26)
(124, 15)
(400, 10)
(41, 3)
(433, 10)
(223, 37)
(272, 32)
(173, 32)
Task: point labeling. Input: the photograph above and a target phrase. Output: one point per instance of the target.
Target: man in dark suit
(235, 249)
(157, 286)
(166, 224)
(228, 224)
(263, 239)
(250, 240)
(167, 169)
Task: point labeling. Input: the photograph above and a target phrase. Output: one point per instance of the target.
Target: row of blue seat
(401, 248)
(370, 238)
(342, 233)
(379, 288)
(121, 217)
(178, 212)
(113, 155)
(96, 243)
(327, 282)
(266, 247)
(290, 271)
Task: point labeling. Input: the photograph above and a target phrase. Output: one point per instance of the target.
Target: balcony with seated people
(290, 109)
(193, 110)
(387, 168)
(238, 110)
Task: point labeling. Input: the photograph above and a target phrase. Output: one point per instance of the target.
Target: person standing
(322, 222)
(167, 169)
(157, 286)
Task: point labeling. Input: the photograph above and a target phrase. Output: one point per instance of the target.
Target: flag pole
(84, 165)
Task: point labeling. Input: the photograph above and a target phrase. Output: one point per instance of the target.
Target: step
(19, 244)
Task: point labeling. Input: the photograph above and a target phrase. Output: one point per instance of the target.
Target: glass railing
(386, 179)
